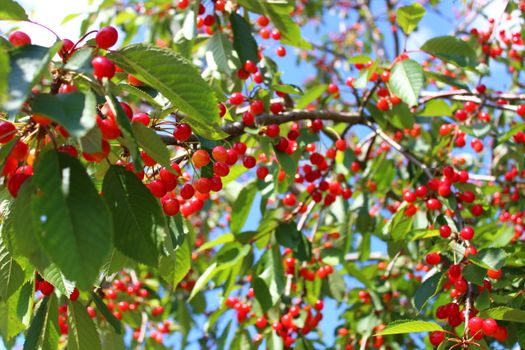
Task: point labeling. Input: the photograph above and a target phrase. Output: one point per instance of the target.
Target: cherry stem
(45, 27)
(80, 40)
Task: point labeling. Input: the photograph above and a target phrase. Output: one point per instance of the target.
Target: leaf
(75, 111)
(92, 141)
(504, 313)
(112, 320)
(310, 95)
(288, 236)
(175, 266)
(279, 13)
(43, 331)
(152, 144)
(491, 258)
(452, 50)
(511, 132)
(11, 274)
(242, 206)
(10, 322)
(27, 64)
(12, 11)
(409, 326)
(137, 217)
(429, 288)
(80, 61)
(72, 223)
(436, 108)
(409, 16)
(446, 80)
(243, 40)
(474, 274)
(406, 81)
(219, 54)
(262, 293)
(178, 80)
(82, 332)
(53, 275)
(4, 74)
(336, 285)
(399, 225)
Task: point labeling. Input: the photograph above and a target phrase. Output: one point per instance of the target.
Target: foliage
(168, 172)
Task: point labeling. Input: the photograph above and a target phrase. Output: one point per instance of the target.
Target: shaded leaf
(243, 40)
(452, 50)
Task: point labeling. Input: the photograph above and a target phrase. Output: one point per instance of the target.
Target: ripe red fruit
(436, 338)
(475, 324)
(200, 158)
(170, 206)
(219, 153)
(262, 172)
(250, 66)
(134, 81)
(257, 107)
(106, 37)
(263, 21)
(141, 118)
(445, 231)
(46, 288)
(467, 233)
(7, 132)
(433, 258)
(319, 305)
(19, 38)
(249, 162)
(289, 199)
(182, 132)
(520, 109)
(382, 104)
(489, 326)
(74, 295)
(18, 178)
(280, 51)
(276, 107)
(273, 130)
(495, 274)
(236, 98)
(461, 115)
(433, 204)
(103, 67)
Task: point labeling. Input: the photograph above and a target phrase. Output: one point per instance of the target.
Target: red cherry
(436, 338)
(445, 231)
(46, 288)
(433, 258)
(7, 131)
(520, 110)
(257, 107)
(236, 98)
(74, 295)
(475, 324)
(263, 21)
(182, 132)
(467, 233)
(280, 51)
(106, 37)
(200, 158)
(494, 274)
(433, 204)
(489, 326)
(142, 118)
(383, 105)
(103, 67)
(461, 115)
(19, 38)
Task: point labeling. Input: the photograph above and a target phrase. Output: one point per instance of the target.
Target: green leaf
(242, 206)
(178, 80)
(429, 288)
(474, 274)
(406, 81)
(436, 108)
(204, 278)
(82, 332)
(243, 40)
(10, 322)
(279, 13)
(262, 293)
(504, 313)
(53, 275)
(288, 236)
(11, 274)
(112, 320)
(75, 111)
(409, 326)
(137, 218)
(336, 285)
(511, 132)
(409, 16)
(175, 266)
(27, 64)
(219, 54)
(310, 95)
(72, 221)
(491, 258)
(12, 11)
(152, 144)
(4, 73)
(446, 80)
(452, 50)
(80, 61)
(399, 225)
(288, 162)
(92, 141)
(43, 331)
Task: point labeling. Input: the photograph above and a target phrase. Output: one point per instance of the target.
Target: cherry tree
(165, 185)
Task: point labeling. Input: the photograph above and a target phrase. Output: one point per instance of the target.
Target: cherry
(74, 295)
(219, 153)
(433, 204)
(249, 162)
(289, 199)
(436, 338)
(187, 191)
(46, 288)
(276, 35)
(257, 107)
(262, 172)
(182, 132)
(489, 326)
(263, 21)
(142, 118)
(200, 158)
(106, 37)
(7, 131)
(433, 258)
(132, 80)
(19, 38)
(520, 110)
(182, 4)
(475, 324)
(467, 233)
(445, 231)
(18, 178)
(236, 98)
(250, 66)
(383, 105)
(461, 115)
(280, 51)
(103, 67)
(494, 274)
